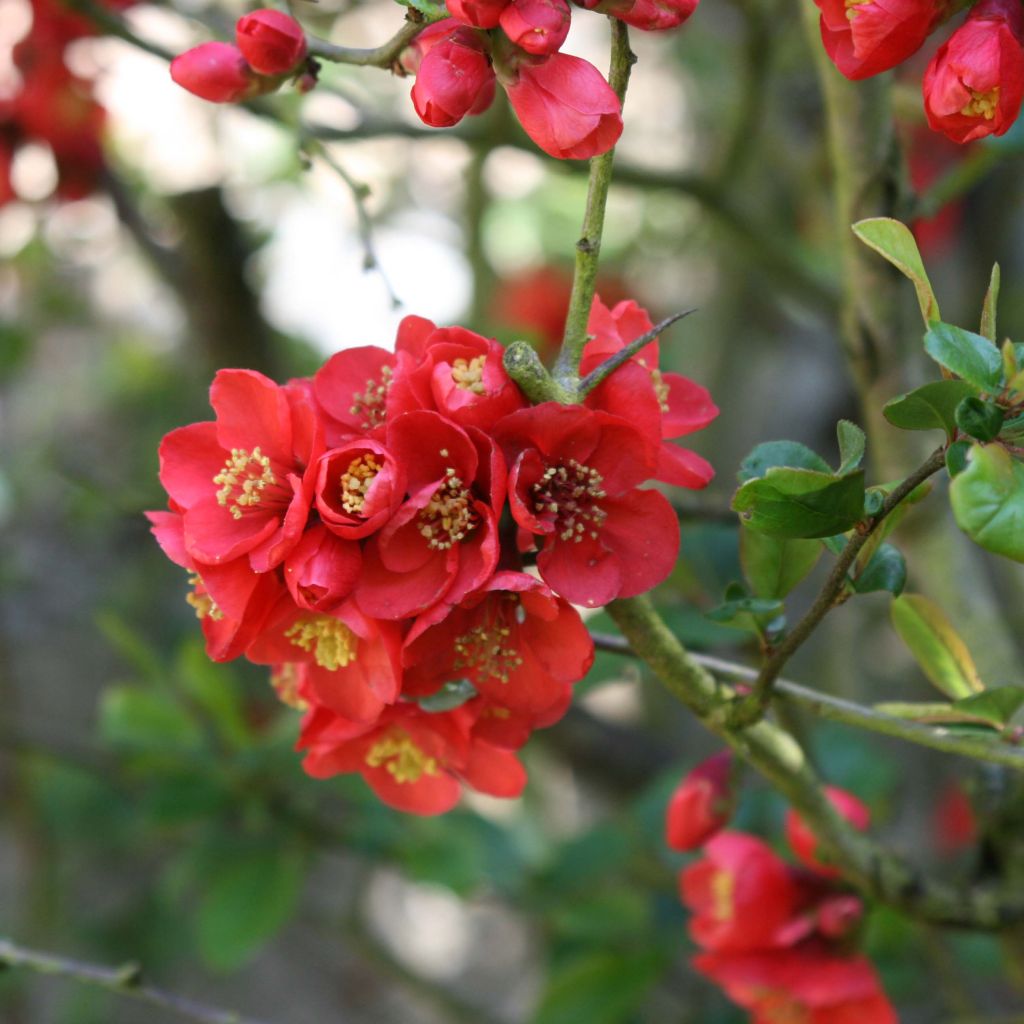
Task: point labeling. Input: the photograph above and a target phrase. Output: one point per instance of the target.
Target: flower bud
(271, 41)
(649, 15)
(803, 841)
(478, 13)
(975, 82)
(536, 26)
(701, 804)
(866, 37)
(454, 79)
(566, 107)
(216, 72)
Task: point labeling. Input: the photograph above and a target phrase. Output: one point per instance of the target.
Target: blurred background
(151, 807)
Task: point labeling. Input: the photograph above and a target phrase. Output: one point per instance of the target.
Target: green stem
(588, 248)
(384, 56)
(779, 758)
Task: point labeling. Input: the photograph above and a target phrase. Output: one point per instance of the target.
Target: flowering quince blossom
(363, 533)
(975, 82)
(777, 939)
(701, 805)
(803, 841)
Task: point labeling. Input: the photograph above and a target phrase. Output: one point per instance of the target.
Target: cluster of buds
(50, 105)
(365, 532)
(270, 47)
(974, 84)
(563, 102)
(778, 938)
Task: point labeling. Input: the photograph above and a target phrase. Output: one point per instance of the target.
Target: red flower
(516, 642)
(649, 15)
(566, 107)
(701, 804)
(478, 13)
(804, 985)
(536, 26)
(442, 543)
(348, 663)
(866, 37)
(454, 78)
(573, 483)
(740, 892)
(271, 41)
(803, 841)
(975, 82)
(955, 822)
(359, 486)
(413, 760)
(244, 482)
(322, 570)
(217, 72)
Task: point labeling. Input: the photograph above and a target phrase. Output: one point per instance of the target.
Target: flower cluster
(777, 938)
(365, 533)
(270, 47)
(53, 106)
(974, 84)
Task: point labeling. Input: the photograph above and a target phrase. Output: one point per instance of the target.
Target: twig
(123, 981)
(751, 708)
(384, 56)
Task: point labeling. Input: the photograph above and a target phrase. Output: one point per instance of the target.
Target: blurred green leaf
(895, 241)
(773, 566)
(216, 690)
(936, 646)
(970, 356)
(956, 457)
(988, 308)
(930, 407)
(750, 613)
(851, 445)
(997, 705)
(988, 501)
(146, 721)
(887, 570)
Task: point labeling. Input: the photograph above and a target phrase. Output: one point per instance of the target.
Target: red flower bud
(804, 842)
(566, 107)
(701, 804)
(272, 42)
(975, 82)
(866, 37)
(478, 13)
(447, 28)
(649, 15)
(454, 79)
(536, 26)
(216, 72)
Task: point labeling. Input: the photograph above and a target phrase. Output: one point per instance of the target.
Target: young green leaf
(970, 356)
(988, 309)
(851, 445)
(773, 566)
(936, 645)
(780, 453)
(997, 705)
(979, 419)
(930, 407)
(896, 243)
(988, 501)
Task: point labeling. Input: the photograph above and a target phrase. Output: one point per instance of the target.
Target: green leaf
(780, 453)
(988, 309)
(932, 713)
(750, 613)
(430, 9)
(851, 445)
(773, 566)
(979, 419)
(248, 898)
(930, 407)
(936, 646)
(147, 721)
(895, 242)
(801, 502)
(997, 705)
(887, 570)
(970, 356)
(988, 501)
(892, 520)
(600, 988)
(956, 457)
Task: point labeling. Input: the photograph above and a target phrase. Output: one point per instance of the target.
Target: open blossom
(866, 37)
(975, 82)
(701, 805)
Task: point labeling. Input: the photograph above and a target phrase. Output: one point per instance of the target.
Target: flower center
(371, 404)
(204, 605)
(449, 516)
(405, 761)
(660, 389)
(242, 481)
(567, 494)
(285, 681)
(778, 1008)
(723, 885)
(356, 480)
(469, 374)
(484, 651)
(851, 8)
(331, 642)
(982, 104)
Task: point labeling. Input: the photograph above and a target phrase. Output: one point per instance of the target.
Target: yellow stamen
(356, 480)
(851, 8)
(660, 388)
(449, 516)
(331, 642)
(405, 761)
(243, 479)
(371, 404)
(469, 374)
(982, 104)
(723, 886)
(285, 680)
(568, 494)
(204, 605)
(482, 651)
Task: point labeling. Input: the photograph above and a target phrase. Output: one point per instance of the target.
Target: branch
(836, 709)
(749, 709)
(779, 758)
(385, 56)
(123, 981)
(588, 248)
